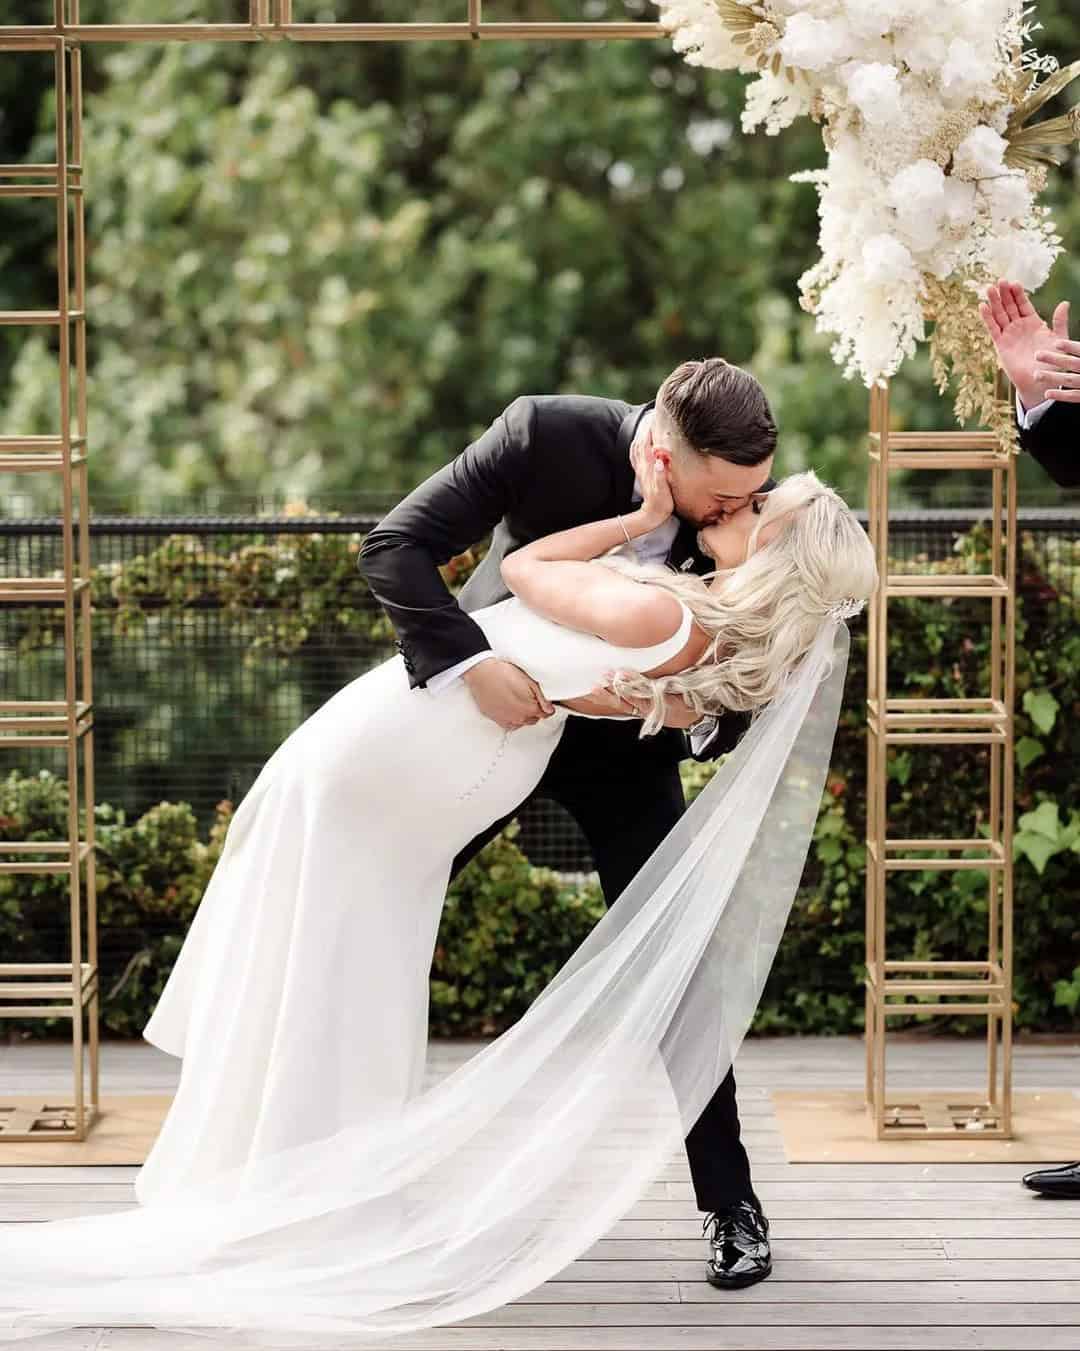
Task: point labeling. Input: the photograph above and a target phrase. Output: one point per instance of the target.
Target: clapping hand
(1041, 361)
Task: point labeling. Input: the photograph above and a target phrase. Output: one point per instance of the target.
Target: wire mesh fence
(192, 698)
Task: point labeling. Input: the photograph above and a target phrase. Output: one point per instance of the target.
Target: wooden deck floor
(866, 1256)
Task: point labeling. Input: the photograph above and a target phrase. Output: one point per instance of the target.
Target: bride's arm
(595, 600)
(553, 577)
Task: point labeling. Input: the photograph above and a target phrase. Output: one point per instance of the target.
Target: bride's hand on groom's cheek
(651, 469)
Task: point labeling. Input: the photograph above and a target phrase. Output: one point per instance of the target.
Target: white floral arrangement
(933, 167)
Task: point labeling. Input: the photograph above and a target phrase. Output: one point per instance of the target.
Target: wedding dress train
(305, 1189)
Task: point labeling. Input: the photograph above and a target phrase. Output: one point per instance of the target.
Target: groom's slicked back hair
(717, 409)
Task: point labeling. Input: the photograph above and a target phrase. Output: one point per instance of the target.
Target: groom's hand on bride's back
(506, 694)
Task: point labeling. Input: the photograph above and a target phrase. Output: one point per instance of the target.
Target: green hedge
(508, 926)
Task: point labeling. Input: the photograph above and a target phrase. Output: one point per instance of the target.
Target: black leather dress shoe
(1064, 1181)
(740, 1246)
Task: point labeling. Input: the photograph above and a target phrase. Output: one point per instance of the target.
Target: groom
(549, 462)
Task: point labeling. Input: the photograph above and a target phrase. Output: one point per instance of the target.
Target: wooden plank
(858, 1208)
(901, 1290)
(114, 1174)
(1049, 1222)
(993, 1338)
(618, 1292)
(983, 1198)
(28, 1192)
(773, 1171)
(807, 1249)
(725, 1313)
(15, 1212)
(771, 1291)
(987, 1195)
(71, 1339)
(1030, 1249)
(1065, 1225)
(1002, 1269)
(819, 1249)
(133, 1056)
(925, 1212)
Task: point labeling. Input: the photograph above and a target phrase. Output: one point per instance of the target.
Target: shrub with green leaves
(508, 926)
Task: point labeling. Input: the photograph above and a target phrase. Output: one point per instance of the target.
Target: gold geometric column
(980, 985)
(65, 988)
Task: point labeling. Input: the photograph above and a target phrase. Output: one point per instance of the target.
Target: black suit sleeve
(445, 515)
(1055, 442)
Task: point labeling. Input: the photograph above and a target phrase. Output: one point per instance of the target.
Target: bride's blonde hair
(764, 614)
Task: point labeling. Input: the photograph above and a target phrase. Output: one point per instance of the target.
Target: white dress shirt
(1030, 416)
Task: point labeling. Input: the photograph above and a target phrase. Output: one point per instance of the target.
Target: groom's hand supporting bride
(507, 694)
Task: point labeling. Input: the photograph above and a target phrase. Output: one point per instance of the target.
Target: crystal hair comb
(846, 608)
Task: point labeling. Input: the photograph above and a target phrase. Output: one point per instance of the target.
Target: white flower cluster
(914, 98)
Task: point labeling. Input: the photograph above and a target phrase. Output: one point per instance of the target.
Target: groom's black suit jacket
(1055, 442)
(547, 462)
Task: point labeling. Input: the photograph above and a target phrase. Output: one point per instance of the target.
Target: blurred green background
(318, 270)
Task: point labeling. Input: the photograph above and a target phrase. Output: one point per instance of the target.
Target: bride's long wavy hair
(764, 614)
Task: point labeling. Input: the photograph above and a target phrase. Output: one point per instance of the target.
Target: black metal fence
(183, 712)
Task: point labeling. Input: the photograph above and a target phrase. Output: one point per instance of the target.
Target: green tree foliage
(325, 268)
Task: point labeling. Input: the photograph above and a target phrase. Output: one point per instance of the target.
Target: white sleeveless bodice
(565, 662)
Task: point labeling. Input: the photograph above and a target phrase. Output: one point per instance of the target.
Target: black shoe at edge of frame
(1063, 1181)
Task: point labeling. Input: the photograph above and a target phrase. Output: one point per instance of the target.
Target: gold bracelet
(624, 529)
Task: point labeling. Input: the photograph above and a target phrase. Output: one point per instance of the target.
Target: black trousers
(625, 794)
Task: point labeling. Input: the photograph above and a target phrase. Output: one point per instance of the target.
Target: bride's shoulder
(631, 567)
(684, 583)
(640, 616)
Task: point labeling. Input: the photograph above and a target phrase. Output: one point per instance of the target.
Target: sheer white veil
(499, 1175)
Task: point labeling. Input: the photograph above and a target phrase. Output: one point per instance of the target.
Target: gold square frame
(983, 983)
(980, 984)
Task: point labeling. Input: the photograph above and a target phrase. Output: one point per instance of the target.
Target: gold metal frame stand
(276, 19)
(71, 986)
(979, 986)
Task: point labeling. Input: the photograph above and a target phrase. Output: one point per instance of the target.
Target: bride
(306, 1187)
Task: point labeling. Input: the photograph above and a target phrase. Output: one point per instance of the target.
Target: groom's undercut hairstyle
(717, 409)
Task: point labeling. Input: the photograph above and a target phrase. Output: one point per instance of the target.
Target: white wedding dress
(299, 1000)
(306, 1189)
